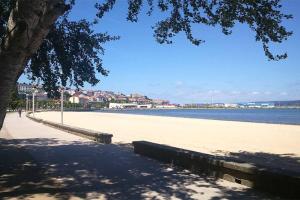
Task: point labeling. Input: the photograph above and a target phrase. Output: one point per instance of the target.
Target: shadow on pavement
(89, 170)
(284, 162)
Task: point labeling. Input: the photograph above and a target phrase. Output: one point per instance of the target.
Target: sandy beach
(207, 136)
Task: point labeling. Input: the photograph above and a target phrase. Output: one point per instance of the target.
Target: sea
(274, 116)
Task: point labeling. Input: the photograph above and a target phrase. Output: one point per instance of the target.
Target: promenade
(40, 162)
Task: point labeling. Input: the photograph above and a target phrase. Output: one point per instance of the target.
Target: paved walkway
(40, 162)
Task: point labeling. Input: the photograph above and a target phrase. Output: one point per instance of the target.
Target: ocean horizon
(289, 116)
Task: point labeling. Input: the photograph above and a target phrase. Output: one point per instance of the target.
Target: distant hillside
(283, 103)
(287, 103)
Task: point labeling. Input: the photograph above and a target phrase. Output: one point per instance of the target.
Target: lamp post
(33, 99)
(62, 105)
(26, 102)
(61, 97)
(33, 95)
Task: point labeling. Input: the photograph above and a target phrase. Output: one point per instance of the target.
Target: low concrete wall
(89, 134)
(274, 181)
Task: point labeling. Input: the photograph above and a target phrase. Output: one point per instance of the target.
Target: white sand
(209, 136)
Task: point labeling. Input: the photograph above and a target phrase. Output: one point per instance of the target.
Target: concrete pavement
(40, 162)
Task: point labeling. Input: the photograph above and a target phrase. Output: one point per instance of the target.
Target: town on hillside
(94, 98)
(97, 99)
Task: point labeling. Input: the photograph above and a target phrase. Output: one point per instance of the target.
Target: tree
(38, 37)
(15, 100)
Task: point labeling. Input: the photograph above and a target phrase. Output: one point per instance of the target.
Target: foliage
(98, 105)
(262, 16)
(15, 101)
(14, 105)
(73, 48)
(119, 101)
(54, 104)
(71, 52)
(5, 7)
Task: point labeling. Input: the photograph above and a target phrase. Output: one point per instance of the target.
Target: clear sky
(226, 68)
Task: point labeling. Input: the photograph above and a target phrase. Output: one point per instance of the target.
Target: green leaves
(262, 16)
(15, 101)
(5, 7)
(73, 48)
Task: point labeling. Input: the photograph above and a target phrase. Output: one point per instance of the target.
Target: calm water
(276, 116)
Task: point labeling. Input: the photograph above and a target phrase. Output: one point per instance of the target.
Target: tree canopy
(262, 16)
(71, 51)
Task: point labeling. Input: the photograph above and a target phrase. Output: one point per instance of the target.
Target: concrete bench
(282, 183)
(104, 138)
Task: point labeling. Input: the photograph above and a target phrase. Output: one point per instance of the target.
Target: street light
(62, 105)
(26, 102)
(33, 97)
(61, 97)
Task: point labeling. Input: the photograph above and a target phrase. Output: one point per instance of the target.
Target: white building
(231, 105)
(24, 88)
(128, 105)
(82, 99)
(122, 105)
(74, 99)
(169, 106)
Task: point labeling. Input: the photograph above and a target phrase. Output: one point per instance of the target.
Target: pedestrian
(20, 112)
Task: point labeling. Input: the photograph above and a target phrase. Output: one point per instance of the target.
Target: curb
(104, 138)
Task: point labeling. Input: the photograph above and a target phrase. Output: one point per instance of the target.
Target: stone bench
(104, 138)
(282, 183)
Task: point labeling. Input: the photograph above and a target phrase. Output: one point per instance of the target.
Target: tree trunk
(29, 23)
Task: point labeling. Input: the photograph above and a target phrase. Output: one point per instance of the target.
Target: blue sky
(226, 68)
